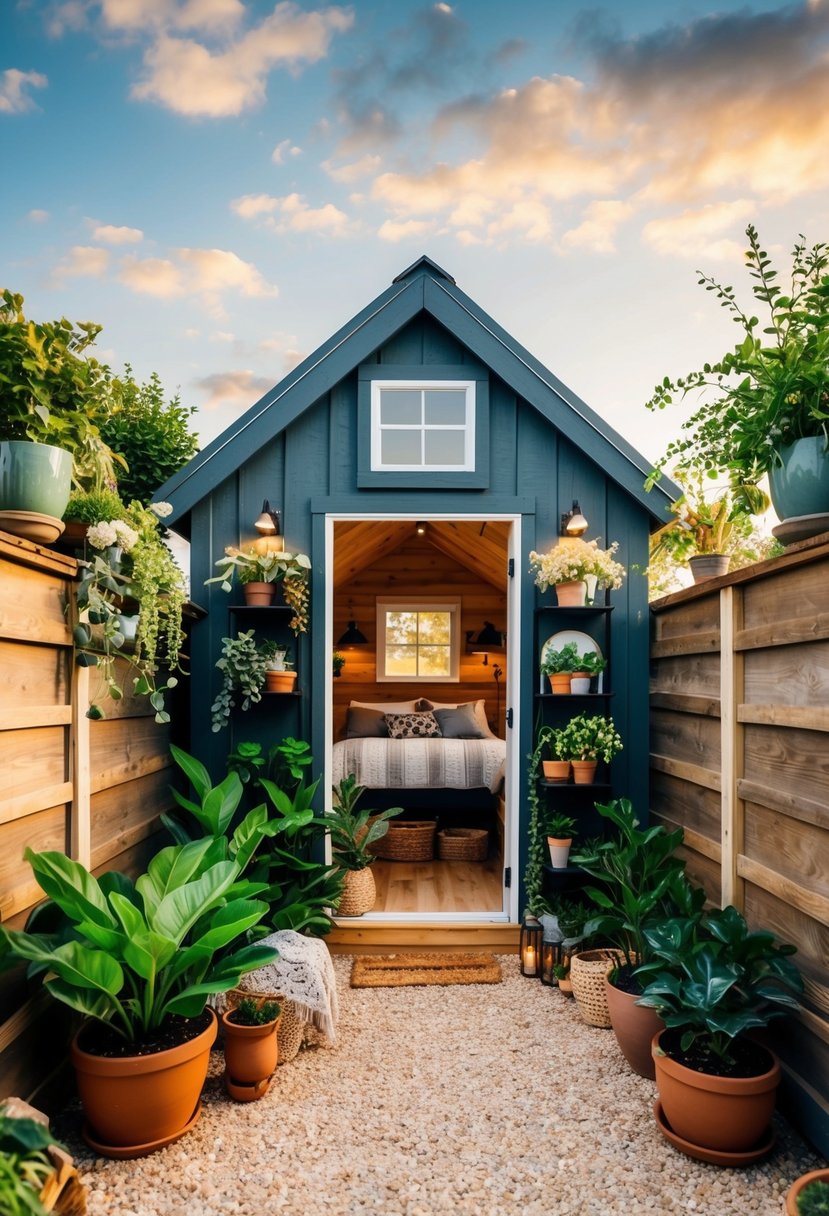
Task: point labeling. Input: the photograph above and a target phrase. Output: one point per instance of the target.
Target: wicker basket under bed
(463, 844)
(411, 840)
(290, 1030)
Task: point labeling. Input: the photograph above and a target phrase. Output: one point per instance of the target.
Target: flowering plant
(112, 532)
(572, 560)
(252, 566)
(586, 738)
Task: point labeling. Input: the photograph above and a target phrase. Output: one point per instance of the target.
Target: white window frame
(468, 428)
(411, 604)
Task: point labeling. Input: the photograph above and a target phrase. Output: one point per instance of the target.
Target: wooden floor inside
(439, 886)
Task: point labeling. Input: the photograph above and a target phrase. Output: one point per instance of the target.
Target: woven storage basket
(289, 1032)
(412, 840)
(463, 844)
(587, 972)
(359, 893)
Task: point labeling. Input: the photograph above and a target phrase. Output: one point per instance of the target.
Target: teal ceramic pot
(800, 485)
(34, 477)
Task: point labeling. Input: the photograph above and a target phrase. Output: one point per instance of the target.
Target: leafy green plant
(247, 761)
(252, 566)
(561, 827)
(546, 739)
(337, 662)
(564, 660)
(24, 1163)
(140, 952)
(250, 1012)
(353, 832)
(92, 506)
(243, 667)
(813, 1200)
(592, 663)
(589, 738)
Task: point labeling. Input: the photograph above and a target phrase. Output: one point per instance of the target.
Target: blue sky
(221, 183)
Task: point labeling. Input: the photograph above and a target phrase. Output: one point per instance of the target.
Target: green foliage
(243, 667)
(715, 980)
(252, 566)
(151, 435)
(24, 1163)
(562, 827)
(813, 1200)
(352, 831)
(588, 738)
(92, 506)
(558, 661)
(536, 850)
(134, 953)
(769, 390)
(249, 1012)
(337, 662)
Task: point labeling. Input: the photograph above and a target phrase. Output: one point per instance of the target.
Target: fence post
(732, 695)
(80, 823)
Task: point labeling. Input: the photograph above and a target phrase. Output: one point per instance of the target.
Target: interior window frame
(385, 604)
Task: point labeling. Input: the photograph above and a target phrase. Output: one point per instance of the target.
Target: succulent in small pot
(251, 1047)
(809, 1195)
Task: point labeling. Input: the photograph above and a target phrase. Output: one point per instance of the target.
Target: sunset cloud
(14, 98)
(236, 388)
(82, 261)
(206, 273)
(113, 234)
(701, 233)
(291, 213)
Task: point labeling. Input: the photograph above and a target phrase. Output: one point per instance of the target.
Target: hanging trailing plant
(243, 665)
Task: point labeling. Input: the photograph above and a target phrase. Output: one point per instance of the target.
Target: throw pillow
(365, 724)
(460, 723)
(386, 707)
(413, 726)
(478, 708)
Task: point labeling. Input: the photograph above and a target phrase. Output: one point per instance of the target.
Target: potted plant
(251, 1047)
(559, 666)
(353, 833)
(554, 769)
(243, 666)
(140, 960)
(588, 666)
(713, 983)
(568, 565)
(337, 663)
(766, 402)
(278, 676)
(560, 831)
(809, 1194)
(260, 573)
(584, 741)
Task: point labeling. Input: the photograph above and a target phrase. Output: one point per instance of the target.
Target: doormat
(402, 970)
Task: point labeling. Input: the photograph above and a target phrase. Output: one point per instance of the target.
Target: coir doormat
(401, 970)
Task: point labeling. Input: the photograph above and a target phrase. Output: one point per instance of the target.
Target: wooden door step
(381, 937)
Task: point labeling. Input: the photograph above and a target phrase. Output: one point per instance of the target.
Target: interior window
(417, 641)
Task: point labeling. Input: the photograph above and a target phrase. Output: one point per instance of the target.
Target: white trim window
(423, 426)
(418, 640)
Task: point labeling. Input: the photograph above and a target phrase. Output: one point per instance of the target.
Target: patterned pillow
(413, 726)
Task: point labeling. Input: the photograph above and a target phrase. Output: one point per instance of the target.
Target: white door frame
(512, 700)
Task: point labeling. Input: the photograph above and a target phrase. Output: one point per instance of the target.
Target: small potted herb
(588, 665)
(559, 666)
(560, 831)
(809, 1195)
(251, 1047)
(337, 663)
(584, 741)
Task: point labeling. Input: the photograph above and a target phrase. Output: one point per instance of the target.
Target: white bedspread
(457, 764)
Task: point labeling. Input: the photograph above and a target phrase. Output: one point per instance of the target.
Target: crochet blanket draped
(304, 974)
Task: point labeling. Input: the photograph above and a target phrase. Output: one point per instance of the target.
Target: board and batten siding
(740, 761)
(93, 790)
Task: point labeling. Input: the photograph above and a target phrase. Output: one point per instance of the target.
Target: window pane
(445, 447)
(445, 405)
(401, 628)
(434, 628)
(401, 661)
(400, 447)
(400, 406)
(434, 661)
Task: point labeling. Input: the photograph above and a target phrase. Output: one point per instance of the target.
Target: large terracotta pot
(259, 595)
(142, 1102)
(251, 1056)
(634, 1026)
(799, 1185)
(727, 1114)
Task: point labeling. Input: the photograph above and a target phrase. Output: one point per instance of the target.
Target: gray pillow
(460, 723)
(365, 724)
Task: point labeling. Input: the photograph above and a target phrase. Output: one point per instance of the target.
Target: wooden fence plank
(784, 633)
(793, 805)
(810, 902)
(686, 703)
(731, 746)
(805, 717)
(696, 643)
(35, 800)
(688, 772)
(28, 716)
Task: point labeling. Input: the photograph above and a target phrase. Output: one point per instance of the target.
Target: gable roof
(421, 287)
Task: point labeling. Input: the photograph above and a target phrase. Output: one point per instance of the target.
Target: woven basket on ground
(463, 844)
(289, 1032)
(63, 1192)
(587, 972)
(412, 840)
(359, 893)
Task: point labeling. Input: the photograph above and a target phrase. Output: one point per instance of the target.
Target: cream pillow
(478, 709)
(386, 707)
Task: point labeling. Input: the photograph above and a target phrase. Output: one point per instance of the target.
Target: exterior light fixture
(530, 946)
(268, 521)
(573, 522)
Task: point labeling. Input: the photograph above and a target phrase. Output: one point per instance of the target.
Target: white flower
(102, 535)
(127, 536)
(162, 509)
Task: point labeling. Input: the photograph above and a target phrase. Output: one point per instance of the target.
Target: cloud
(13, 85)
(597, 230)
(207, 273)
(190, 78)
(284, 149)
(402, 230)
(82, 261)
(291, 213)
(700, 233)
(203, 15)
(153, 277)
(239, 389)
(363, 167)
(37, 216)
(114, 235)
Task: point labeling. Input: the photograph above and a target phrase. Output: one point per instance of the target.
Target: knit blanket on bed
(459, 764)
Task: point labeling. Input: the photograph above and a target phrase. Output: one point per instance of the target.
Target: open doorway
(419, 629)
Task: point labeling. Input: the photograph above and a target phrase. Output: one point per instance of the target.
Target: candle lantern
(530, 946)
(550, 958)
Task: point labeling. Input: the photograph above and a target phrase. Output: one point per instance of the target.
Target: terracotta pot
(259, 595)
(708, 565)
(251, 1052)
(729, 1114)
(280, 681)
(560, 682)
(138, 1101)
(359, 893)
(571, 595)
(559, 851)
(634, 1026)
(799, 1185)
(584, 771)
(556, 770)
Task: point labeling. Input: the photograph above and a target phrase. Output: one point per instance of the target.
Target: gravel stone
(484, 1100)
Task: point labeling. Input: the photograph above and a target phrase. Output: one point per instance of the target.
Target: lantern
(550, 959)
(530, 946)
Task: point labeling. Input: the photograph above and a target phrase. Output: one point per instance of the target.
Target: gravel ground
(485, 1100)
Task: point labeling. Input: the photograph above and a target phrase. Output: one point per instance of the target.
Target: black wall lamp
(268, 521)
(488, 639)
(352, 636)
(573, 522)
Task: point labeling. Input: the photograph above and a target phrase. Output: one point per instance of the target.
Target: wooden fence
(740, 760)
(91, 789)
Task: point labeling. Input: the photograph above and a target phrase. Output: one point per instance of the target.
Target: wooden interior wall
(417, 568)
(93, 790)
(740, 760)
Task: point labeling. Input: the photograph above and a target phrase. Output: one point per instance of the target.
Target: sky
(223, 183)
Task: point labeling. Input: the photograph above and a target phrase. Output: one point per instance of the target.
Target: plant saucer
(125, 1152)
(711, 1155)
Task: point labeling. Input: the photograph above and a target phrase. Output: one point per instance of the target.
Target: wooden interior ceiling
(477, 545)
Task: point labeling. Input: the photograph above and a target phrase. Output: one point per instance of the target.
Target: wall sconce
(530, 946)
(352, 636)
(268, 521)
(488, 639)
(573, 522)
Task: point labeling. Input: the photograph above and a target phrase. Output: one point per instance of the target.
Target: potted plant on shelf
(588, 666)
(140, 960)
(554, 769)
(560, 831)
(766, 402)
(260, 573)
(278, 676)
(251, 1047)
(809, 1194)
(569, 564)
(353, 833)
(714, 982)
(584, 741)
(337, 663)
(243, 666)
(559, 666)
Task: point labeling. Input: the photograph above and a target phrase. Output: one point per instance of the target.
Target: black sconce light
(352, 636)
(530, 946)
(268, 521)
(488, 639)
(573, 522)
